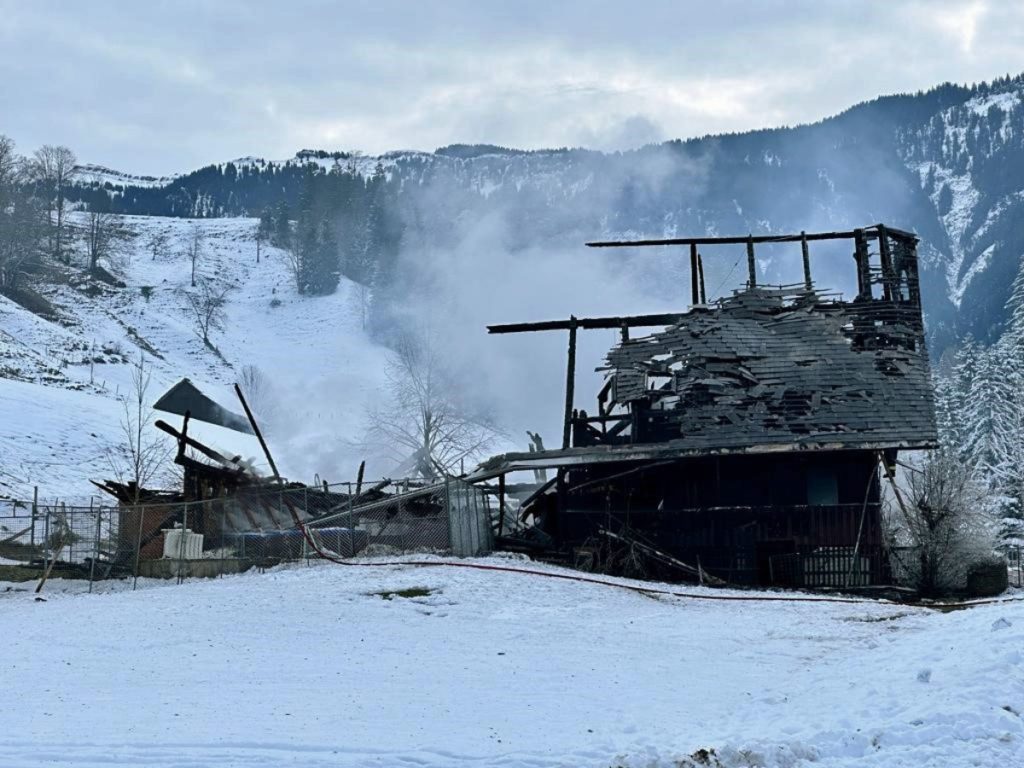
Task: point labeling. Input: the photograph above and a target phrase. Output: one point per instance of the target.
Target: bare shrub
(941, 524)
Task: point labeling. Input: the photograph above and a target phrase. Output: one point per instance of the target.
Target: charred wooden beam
(700, 277)
(751, 264)
(191, 442)
(805, 253)
(590, 323)
(570, 385)
(870, 233)
(888, 277)
(694, 279)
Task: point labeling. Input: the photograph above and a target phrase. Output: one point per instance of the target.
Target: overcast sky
(157, 87)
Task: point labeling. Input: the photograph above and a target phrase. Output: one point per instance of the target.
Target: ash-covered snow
(307, 667)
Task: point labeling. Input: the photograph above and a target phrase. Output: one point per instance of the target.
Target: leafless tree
(206, 306)
(259, 393)
(54, 170)
(941, 521)
(293, 258)
(22, 218)
(426, 413)
(194, 250)
(100, 236)
(158, 243)
(143, 455)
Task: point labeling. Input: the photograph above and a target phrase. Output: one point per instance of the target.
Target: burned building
(749, 438)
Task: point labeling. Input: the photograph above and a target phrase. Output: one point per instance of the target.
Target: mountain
(944, 163)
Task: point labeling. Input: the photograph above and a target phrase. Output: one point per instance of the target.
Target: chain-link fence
(1015, 562)
(258, 527)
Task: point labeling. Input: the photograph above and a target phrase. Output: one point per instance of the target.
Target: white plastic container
(183, 545)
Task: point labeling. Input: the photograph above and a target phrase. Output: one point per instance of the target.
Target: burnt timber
(746, 435)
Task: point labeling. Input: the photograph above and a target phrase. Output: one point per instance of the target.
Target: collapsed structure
(744, 440)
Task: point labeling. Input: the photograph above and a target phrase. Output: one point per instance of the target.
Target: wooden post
(806, 253)
(751, 264)
(570, 384)
(700, 274)
(860, 255)
(888, 283)
(359, 477)
(35, 511)
(624, 332)
(501, 504)
(694, 279)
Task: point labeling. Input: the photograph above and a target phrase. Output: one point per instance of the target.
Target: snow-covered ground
(308, 667)
(60, 380)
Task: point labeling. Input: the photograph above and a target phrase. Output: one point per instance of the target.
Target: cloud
(189, 83)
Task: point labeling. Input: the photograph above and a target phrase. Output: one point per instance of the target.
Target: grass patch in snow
(410, 592)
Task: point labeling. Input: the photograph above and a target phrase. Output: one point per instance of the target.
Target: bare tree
(158, 243)
(194, 250)
(426, 414)
(940, 521)
(259, 393)
(22, 218)
(100, 236)
(206, 306)
(54, 170)
(293, 258)
(143, 455)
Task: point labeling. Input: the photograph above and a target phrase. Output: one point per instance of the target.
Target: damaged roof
(780, 367)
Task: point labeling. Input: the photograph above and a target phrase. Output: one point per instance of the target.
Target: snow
(307, 666)
(60, 411)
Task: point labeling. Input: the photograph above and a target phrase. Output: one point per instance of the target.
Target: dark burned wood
(763, 371)
(694, 278)
(570, 385)
(590, 323)
(700, 274)
(871, 233)
(751, 264)
(191, 442)
(805, 254)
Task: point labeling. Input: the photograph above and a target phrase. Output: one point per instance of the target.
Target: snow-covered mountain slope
(947, 163)
(64, 377)
(310, 667)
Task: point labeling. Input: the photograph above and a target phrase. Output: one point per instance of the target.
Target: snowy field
(307, 666)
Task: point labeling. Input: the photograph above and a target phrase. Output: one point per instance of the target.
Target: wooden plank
(570, 385)
(870, 233)
(590, 323)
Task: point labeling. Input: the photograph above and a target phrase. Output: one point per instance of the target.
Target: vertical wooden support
(359, 477)
(860, 255)
(700, 273)
(624, 331)
(751, 265)
(501, 504)
(694, 281)
(889, 288)
(913, 283)
(259, 435)
(570, 384)
(806, 253)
